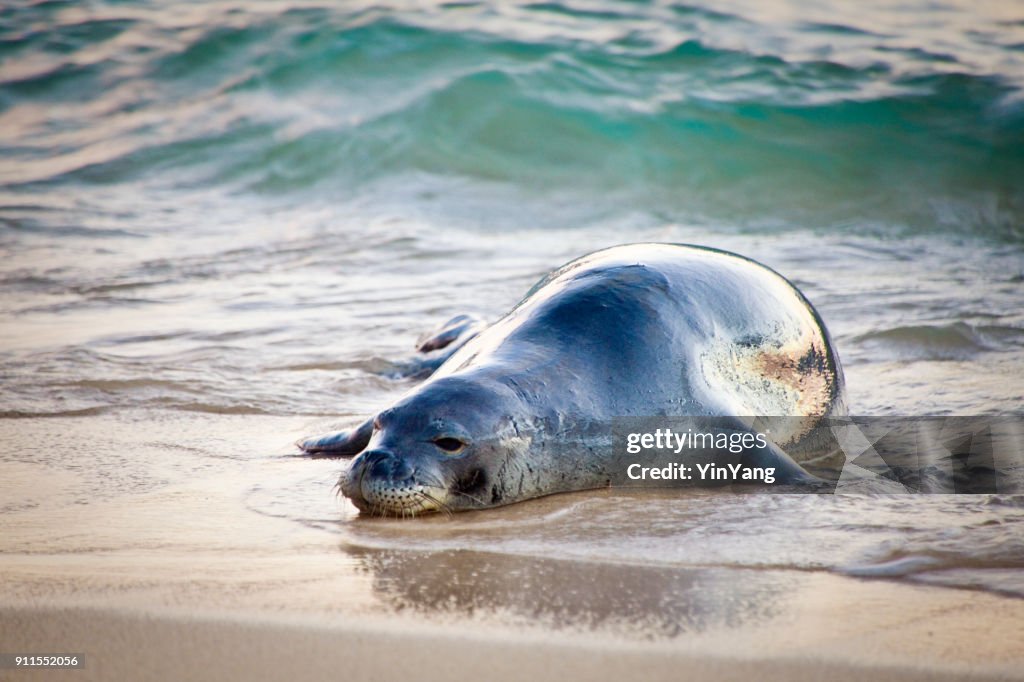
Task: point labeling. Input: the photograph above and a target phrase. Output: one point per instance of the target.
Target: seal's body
(524, 407)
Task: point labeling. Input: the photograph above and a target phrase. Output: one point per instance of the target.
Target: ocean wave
(957, 341)
(985, 555)
(682, 110)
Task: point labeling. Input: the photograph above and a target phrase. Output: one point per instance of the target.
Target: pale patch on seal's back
(773, 379)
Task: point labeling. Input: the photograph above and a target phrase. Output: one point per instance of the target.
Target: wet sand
(169, 548)
(869, 629)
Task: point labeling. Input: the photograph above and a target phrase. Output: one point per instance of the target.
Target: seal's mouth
(402, 501)
(381, 484)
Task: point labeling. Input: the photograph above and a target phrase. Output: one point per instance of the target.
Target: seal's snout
(385, 466)
(383, 482)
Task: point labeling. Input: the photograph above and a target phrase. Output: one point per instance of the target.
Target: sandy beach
(876, 631)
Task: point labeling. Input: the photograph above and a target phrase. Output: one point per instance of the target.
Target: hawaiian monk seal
(523, 408)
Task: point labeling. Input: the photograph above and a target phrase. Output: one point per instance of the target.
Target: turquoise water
(213, 211)
(887, 116)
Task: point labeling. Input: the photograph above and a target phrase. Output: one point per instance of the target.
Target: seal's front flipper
(786, 469)
(460, 328)
(340, 443)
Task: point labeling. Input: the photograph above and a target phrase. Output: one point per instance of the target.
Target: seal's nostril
(387, 466)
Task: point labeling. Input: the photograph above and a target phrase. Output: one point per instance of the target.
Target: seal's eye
(449, 444)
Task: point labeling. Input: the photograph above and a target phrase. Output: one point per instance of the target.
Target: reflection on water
(647, 601)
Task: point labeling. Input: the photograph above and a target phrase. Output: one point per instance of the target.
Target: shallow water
(222, 224)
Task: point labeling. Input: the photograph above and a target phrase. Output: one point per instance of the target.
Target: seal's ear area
(340, 443)
(460, 327)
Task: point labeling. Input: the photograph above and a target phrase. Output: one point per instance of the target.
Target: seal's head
(447, 446)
